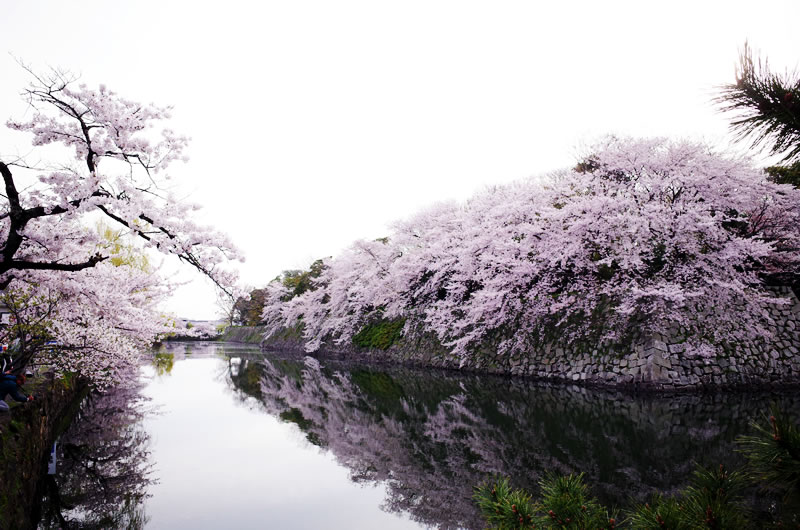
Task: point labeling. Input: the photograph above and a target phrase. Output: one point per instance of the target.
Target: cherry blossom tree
(642, 236)
(95, 325)
(109, 159)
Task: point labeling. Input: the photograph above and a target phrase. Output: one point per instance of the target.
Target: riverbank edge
(654, 365)
(661, 361)
(27, 433)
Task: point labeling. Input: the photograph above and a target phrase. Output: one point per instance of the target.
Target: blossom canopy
(643, 235)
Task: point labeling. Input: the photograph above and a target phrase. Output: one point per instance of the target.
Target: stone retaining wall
(243, 334)
(661, 361)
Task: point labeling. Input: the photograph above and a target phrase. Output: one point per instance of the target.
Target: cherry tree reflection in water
(430, 436)
(103, 467)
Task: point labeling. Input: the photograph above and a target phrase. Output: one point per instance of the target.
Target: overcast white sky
(318, 123)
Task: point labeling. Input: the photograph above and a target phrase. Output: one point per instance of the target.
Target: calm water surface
(231, 437)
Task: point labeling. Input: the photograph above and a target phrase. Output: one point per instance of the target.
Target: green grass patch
(380, 335)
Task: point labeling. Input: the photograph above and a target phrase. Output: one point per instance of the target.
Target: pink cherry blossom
(643, 236)
(54, 266)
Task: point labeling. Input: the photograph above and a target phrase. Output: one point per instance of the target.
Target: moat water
(222, 435)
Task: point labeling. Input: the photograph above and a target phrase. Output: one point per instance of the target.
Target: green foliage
(247, 311)
(767, 106)
(68, 379)
(163, 363)
(714, 499)
(295, 416)
(122, 253)
(248, 379)
(380, 335)
(30, 322)
(661, 512)
(773, 452)
(298, 281)
(504, 508)
(377, 385)
(383, 391)
(785, 174)
(565, 504)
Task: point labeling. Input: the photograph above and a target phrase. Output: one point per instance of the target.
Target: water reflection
(432, 436)
(103, 470)
(163, 363)
(254, 440)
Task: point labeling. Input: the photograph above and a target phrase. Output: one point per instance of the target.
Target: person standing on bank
(10, 384)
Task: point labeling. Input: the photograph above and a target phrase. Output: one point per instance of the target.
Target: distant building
(184, 323)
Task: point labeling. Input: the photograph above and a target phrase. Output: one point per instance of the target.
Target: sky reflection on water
(223, 463)
(247, 439)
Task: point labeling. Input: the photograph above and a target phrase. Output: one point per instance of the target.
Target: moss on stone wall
(381, 334)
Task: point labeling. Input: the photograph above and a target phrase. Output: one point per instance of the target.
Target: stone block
(677, 348)
(662, 360)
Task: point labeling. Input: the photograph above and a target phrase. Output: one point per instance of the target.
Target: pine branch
(767, 107)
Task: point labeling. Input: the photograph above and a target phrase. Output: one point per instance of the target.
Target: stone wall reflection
(432, 436)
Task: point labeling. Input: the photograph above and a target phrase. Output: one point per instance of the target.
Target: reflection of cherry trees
(103, 470)
(430, 437)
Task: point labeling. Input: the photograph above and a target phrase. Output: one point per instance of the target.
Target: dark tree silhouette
(766, 106)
